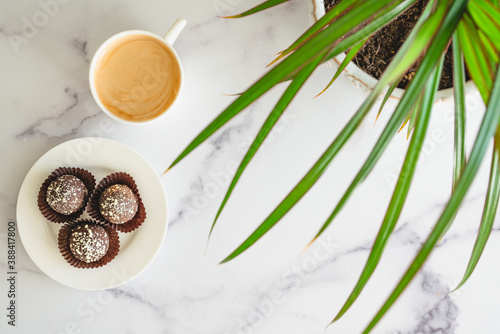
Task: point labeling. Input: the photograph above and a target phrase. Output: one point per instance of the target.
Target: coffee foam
(137, 78)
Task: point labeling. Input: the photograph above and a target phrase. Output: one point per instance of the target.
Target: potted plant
(473, 27)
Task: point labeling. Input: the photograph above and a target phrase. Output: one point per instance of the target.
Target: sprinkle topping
(66, 194)
(89, 243)
(118, 204)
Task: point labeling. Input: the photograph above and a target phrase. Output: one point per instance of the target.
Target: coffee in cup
(136, 76)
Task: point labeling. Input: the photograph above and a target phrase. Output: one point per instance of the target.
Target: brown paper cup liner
(108, 181)
(63, 241)
(85, 176)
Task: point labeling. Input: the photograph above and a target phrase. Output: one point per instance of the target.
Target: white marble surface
(272, 288)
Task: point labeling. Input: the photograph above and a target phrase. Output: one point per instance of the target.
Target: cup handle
(175, 30)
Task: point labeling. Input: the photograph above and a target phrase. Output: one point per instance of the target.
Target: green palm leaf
(491, 8)
(410, 114)
(310, 178)
(491, 51)
(301, 57)
(359, 34)
(485, 23)
(485, 62)
(475, 27)
(485, 134)
(415, 114)
(459, 94)
(474, 57)
(403, 109)
(256, 9)
(319, 25)
(379, 21)
(401, 190)
(349, 56)
(278, 110)
(459, 136)
(405, 57)
(386, 98)
(489, 212)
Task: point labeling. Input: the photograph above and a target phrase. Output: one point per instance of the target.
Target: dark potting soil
(379, 50)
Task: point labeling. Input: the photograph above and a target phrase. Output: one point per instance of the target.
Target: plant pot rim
(363, 80)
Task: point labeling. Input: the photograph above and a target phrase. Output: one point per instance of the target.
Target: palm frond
(473, 26)
(475, 57)
(404, 58)
(321, 42)
(278, 110)
(485, 23)
(415, 114)
(386, 98)
(403, 108)
(489, 212)
(459, 158)
(349, 56)
(401, 190)
(319, 25)
(263, 6)
(459, 94)
(484, 138)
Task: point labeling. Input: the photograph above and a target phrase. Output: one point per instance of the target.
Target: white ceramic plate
(101, 157)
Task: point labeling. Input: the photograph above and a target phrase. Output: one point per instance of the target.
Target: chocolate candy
(89, 243)
(118, 204)
(66, 194)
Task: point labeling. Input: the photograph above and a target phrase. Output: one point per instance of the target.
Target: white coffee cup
(168, 40)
